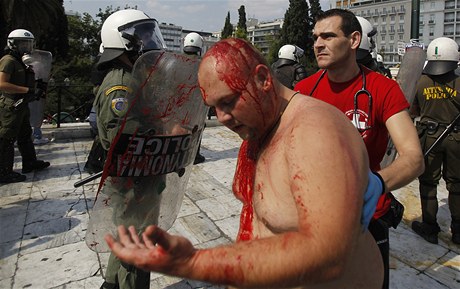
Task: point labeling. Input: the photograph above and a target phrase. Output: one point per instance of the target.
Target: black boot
(36, 165)
(96, 157)
(6, 163)
(429, 232)
(199, 158)
(455, 228)
(11, 177)
(29, 157)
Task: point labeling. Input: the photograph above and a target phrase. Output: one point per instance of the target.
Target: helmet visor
(147, 33)
(24, 46)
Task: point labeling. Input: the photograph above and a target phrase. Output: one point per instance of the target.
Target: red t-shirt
(387, 100)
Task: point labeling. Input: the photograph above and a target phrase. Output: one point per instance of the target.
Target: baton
(87, 179)
(441, 137)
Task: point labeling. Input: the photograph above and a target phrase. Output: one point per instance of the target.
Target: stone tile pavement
(43, 221)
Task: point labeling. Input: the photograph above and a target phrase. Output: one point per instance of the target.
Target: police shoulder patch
(120, 106)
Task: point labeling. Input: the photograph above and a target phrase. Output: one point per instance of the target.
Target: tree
(44, 18)
(228, 28)
(241, 29)
(315, 9)
(297, 30)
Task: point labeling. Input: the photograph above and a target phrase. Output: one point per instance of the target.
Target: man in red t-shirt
(373, 103)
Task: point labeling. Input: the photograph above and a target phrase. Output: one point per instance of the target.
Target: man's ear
(263, 76)
(355, 40)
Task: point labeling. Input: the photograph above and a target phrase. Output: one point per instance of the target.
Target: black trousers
(380, 232)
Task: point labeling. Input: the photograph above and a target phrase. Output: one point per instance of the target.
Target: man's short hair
(349, 24)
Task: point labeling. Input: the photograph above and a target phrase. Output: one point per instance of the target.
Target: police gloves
(35, 93)
(41, 84)
(375, 188)
(31, 95)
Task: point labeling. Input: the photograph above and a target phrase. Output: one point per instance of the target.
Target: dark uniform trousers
(443, 160)
(14, 126)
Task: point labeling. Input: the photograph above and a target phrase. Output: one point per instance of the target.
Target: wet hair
(235, 59)
(349, 24)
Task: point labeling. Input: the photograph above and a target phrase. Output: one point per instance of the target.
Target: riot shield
(40, 61)
(149, 161)
(408, 75)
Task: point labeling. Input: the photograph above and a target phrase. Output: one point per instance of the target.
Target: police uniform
(14, 121)
(289, 72)
(436, 97)
(128, 206)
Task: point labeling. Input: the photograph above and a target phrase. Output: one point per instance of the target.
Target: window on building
(383, 37)
(401, 17)
(431, 31)
(433, 5)
(392, 38)
(392, 48)
(401, 37)
(392, 18)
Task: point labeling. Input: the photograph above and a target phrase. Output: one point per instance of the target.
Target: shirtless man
(298, 228)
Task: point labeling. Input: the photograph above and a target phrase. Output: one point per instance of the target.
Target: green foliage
(241, 29)
(297, 30)
(228, 28)
(84, 39)
(273, 49)
(242, 19)
(44, 18)
(241, 33)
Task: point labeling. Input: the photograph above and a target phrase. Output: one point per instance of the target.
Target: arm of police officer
(8, 87)
(410, 163)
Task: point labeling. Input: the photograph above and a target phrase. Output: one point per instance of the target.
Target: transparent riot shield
(149, 162)
(40, 61)
(408, 75)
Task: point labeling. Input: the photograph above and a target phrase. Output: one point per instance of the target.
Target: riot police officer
(126, 34)
(437, 102)
(287, 68)
(193, 46)
(17, 87)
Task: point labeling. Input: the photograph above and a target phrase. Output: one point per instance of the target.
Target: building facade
(172, 35)
(392, 19)
(261, 34)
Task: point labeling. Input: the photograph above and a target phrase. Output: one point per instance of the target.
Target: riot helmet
(193, 43)
(291, 52)
(129, 30)
(442, 55)
(367, 42)
(21, 41)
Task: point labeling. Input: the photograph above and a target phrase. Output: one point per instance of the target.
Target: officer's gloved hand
(39, 83)
(375, 188)
(35, 93)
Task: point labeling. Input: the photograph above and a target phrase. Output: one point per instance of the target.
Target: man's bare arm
(409, 164)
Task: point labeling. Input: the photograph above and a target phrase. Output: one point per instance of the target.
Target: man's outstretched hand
(155, 250)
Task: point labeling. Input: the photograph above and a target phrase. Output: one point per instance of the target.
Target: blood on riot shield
(40, 61)
(408, 75)
(150, 160)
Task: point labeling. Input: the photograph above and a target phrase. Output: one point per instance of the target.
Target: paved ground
(43, 221)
